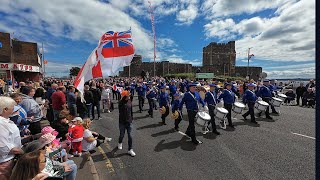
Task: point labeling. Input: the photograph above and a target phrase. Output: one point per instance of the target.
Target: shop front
(20, 72)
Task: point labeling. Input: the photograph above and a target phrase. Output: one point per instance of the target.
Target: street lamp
(249, 57)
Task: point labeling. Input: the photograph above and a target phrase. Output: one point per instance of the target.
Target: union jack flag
(116, 44)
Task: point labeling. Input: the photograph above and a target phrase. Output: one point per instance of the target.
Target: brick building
(218, 58)
(18, 59)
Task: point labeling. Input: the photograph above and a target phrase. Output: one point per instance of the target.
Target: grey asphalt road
(283, 148)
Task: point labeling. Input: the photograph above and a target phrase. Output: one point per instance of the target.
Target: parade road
(283, 148)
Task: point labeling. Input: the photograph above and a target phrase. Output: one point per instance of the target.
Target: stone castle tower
(220, 56)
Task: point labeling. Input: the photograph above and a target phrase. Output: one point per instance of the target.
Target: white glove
(205, 108)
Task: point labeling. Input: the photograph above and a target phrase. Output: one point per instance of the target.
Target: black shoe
(176, 128)
(231, 126)
(140, 111)
(196, 142)
(164, 123)
(254, 122)
(244, 117)
(151, 116)
(275, 112)
(269, 117)
(216, 132)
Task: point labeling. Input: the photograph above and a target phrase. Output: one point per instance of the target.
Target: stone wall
(254, 72)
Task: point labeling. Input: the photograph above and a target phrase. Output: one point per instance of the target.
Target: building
(19, 60)
(162, 68)
(218, 58)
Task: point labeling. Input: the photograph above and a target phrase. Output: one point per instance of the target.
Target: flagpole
(154, 38)
(43, 64)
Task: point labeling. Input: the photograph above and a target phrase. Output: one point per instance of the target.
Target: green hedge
(181, 75)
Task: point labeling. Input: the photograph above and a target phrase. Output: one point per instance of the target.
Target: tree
(74, 71)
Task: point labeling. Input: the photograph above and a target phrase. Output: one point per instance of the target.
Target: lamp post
(249, 57)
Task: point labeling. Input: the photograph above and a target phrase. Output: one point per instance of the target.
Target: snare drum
(202, 118)
(221, 113)
(282, 96)
(276, 102)
(238, 107)
(261, 105)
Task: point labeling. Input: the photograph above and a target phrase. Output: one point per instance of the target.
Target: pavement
(283, 148)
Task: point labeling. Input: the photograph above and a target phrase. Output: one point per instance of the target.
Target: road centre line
(108, 162)
(303, 135)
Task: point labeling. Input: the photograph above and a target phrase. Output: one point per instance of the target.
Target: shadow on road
(183, 143)
(140, 117)
(150, 126)
(163, 133)
(246, 123)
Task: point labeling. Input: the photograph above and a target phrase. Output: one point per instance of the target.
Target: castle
(218, 58)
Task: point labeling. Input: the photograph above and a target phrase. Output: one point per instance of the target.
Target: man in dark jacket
(308, 98)
(88, 97)
(300, 91)
(125, 120)
(96, 99)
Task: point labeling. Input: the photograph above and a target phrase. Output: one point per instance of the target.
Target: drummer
(212, 100)
(228, 99)
(191, 99)
(265, 93)
(151, 94)
(164, 102)
(174, 108)
(250, 98)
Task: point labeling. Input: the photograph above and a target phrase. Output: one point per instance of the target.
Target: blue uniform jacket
(211, 100)
(173, 89)
(227, 96)
(152, 93)
(249, 96)
(264, 91)
(175, 105)
(191, 101)
(141, 91)
(182, 86)
(163, 99)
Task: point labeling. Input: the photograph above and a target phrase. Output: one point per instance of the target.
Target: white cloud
(225, 8)
(62, 19)
(188, 12)
(289, 36)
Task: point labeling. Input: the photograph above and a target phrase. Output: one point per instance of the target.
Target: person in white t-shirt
(106, 98)
(10, 140)
(91, 139)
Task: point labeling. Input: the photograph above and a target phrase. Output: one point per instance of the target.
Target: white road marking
(303, 135)
(182, 133)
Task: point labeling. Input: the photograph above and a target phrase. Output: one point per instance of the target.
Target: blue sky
(281, 32)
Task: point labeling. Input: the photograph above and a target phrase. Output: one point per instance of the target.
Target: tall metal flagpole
(154, 38)
(44, 65)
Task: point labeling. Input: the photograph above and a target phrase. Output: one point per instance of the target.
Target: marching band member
(228, 99)
(173, 89)
(151, 94)
(175, 107)
(191, 99)
(265, 93)
(212, 100)
(164, 102)
(250, 98)
(141, 90)
(273, 92)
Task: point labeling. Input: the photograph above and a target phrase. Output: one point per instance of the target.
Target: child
(76, 131)
(55, 144)
(174, 107)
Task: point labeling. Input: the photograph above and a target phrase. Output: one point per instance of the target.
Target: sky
(280, 32)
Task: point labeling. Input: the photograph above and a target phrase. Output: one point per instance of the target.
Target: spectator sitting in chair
(290, 96)
(308, 98)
